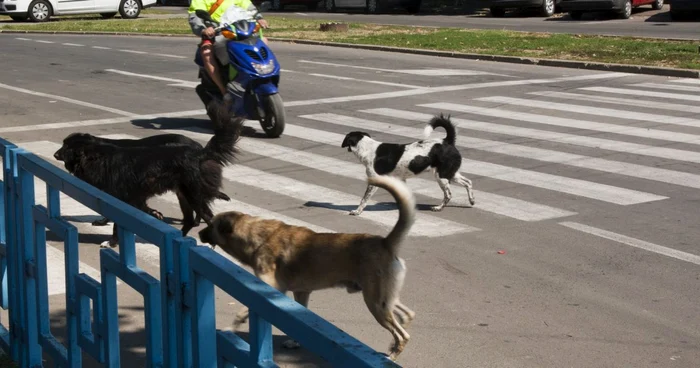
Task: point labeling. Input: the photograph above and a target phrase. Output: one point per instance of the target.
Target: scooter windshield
(234, 14)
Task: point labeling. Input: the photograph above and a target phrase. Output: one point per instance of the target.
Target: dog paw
(436, 208)
(101, 222)
(156, 214)
(355, 213)
(291, 344)
(107, 244)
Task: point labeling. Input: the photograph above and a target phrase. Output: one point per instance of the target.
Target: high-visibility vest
(216, 8)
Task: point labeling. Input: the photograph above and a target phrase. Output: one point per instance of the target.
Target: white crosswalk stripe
(635, 92)
(578, 187)
(310, 190)
(546, 135)
(569, 123)
(590, 110)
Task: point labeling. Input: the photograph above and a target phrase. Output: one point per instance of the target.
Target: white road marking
(176, 82)
(430, 72)
(636, 92)
(23, 39)
(170, 56)
(72, 44)
(42, 41)
(601, 192)
(425, 225)
(570, 123)
(460, 87)
(545, 135)
(641, 244)
(364, 81)
(686, 81)
(108, 121)
(494, 203)
(668, 86)
(591, 110)
(101, 47)
(66, 99)
(133, 51)
(620, 101)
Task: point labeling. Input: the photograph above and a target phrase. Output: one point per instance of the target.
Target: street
(581, 249)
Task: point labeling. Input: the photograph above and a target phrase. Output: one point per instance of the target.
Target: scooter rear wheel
(273, 123)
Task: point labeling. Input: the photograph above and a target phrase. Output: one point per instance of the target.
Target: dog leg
(101, 222)
(381, 304)
(113, 241)
(301, 297)
(188, 221)
(445, 186)
(406, 315)
(371, 189)
(467, 184)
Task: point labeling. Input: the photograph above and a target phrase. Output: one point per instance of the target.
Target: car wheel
(107, 15)
(374, 6)
(329, 5)
(658, 4)
(39, 11)
(130, 9)
(18, 18)
(414, 7)
(576, 15)
(497, 12)
(277, 5)
(626, 11)
(547, 8)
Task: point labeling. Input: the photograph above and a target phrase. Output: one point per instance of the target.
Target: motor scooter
(252, 64)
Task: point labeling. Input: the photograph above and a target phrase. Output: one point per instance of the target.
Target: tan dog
(297, 259)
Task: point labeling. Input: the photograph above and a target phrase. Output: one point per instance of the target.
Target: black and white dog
(409, 160)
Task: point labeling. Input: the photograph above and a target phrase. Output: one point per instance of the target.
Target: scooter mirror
(265, 6)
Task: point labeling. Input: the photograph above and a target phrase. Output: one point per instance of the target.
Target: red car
(623, 8)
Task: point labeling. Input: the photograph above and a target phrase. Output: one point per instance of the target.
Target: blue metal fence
(180, 315)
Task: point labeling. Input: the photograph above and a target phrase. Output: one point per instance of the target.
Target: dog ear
(224, 227)
(352, 138)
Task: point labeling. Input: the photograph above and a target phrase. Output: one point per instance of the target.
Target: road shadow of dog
(193, 125)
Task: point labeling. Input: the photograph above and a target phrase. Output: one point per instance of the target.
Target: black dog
(152, 141)
(135, 174)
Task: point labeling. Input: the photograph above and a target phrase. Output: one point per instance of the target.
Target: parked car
(680, 8)
(281, 4)
(42, 10)
(498, 7)
(623, 8)
(372, 6)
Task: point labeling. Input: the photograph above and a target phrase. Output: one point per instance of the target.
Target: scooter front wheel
(273, 122)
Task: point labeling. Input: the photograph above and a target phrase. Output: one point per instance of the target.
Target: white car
(42, 10)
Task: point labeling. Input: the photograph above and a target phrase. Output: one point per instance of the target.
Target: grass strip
(620, 50)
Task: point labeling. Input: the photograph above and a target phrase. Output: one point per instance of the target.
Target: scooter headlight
(264, 68)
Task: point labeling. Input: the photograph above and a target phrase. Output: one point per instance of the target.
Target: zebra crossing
(597, 119)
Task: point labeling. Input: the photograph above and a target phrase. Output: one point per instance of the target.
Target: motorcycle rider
(216, 8)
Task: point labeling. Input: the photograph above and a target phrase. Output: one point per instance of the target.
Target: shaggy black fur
(134, 174)
(152, 141)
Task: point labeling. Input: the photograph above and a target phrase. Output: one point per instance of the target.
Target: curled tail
(227, 130)
(407, 209)
(445, 123)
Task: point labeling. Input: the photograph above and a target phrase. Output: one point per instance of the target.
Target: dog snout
(205, 235)
(58, 155)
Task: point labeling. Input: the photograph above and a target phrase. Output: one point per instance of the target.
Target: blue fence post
(10, 179)
(204, 321)
(183, 314)
(27, 266)
(169, 289)
(260, 339)
(110, 326)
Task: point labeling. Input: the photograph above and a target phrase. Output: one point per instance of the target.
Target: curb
(588, 65)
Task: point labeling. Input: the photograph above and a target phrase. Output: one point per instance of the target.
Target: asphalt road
(586, 181)
(644, 22)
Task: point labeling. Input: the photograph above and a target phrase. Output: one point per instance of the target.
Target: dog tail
(227, 130)
(223, 196)
(407, 209)
(445, 123)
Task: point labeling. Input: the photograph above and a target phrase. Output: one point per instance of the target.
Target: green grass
(623, 50)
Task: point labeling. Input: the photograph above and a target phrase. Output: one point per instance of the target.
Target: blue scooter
(252, 64)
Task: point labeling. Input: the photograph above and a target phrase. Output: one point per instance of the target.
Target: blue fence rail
(180, 315)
